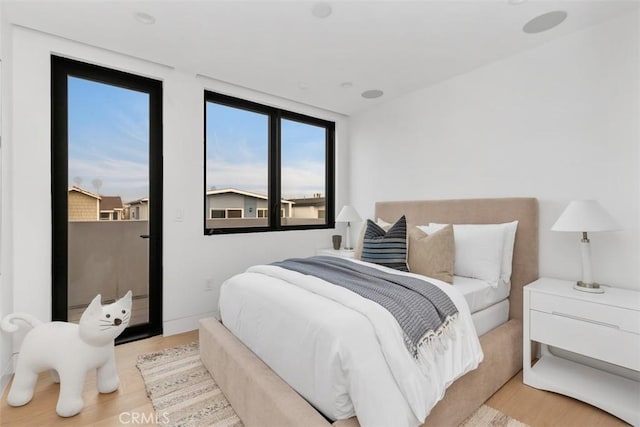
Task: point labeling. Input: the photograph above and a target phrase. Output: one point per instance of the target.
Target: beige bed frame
(261, 398)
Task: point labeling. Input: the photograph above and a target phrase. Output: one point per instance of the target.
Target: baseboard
(184, 324)
(7, 372)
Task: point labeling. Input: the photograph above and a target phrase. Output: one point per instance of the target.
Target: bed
(260, 397)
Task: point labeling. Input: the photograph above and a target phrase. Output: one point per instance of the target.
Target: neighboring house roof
(83, 191)
(310, 201)
(242, 193)
(139, 201)
(111, 203)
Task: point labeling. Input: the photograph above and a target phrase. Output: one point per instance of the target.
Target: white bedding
(479, 294)
(491, 317)
(489, 305)
(345, 354)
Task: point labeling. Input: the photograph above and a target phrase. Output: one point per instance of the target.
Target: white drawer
(596, 340)
(622, 318)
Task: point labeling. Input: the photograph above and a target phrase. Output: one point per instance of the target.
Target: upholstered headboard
(482, 211)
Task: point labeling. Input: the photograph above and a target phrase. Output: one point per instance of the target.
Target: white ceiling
(280, 48)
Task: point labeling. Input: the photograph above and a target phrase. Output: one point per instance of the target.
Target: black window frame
(61, 69)
(275, 115)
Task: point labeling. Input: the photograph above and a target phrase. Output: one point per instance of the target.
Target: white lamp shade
(585, 216)
(348, 214)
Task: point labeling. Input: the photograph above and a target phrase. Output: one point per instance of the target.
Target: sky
(237, 153)
(109, 146)
(108, 139)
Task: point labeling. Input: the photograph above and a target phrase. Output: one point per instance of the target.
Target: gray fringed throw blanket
(423, 311)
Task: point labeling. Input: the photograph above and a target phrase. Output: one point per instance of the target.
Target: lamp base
(593, 288)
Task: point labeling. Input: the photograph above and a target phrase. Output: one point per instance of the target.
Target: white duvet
(344, 353)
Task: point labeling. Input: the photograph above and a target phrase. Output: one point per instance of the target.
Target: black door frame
(61, 68)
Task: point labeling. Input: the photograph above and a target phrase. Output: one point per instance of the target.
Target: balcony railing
(107, 258)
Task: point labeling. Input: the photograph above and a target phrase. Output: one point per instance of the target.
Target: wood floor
(101, 410)
(542, 408)
(531, 406)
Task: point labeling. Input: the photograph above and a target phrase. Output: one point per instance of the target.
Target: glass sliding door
(107, 177)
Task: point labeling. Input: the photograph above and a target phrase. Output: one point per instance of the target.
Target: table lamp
(348, 214)
(585, 216)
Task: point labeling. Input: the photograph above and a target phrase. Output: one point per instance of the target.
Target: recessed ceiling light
(373, 93)
(144, 18)
(545, 22)
(321, 10)
(515, 2)
(346, 85)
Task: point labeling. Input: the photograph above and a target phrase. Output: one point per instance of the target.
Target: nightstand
(343, 253)
(604, 327)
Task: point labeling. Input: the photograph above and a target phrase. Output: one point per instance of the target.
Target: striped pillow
(388, 248)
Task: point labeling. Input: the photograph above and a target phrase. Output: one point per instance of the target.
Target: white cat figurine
(69, 351)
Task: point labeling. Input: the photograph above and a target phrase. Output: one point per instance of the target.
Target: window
(266, 160)
(218, 213)
(234, 213)
(226, 213)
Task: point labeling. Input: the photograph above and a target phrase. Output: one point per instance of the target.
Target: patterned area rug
(182, 391)
(184, 394)
(487, 416)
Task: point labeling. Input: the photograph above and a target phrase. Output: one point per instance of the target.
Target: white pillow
(510, 229)
(483, 251)
(384, 224)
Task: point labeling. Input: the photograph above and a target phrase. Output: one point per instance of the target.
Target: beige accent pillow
(433, 254)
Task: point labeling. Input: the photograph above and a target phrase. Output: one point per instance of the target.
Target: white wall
(192, 262)
(558, 122)
(6, 298)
